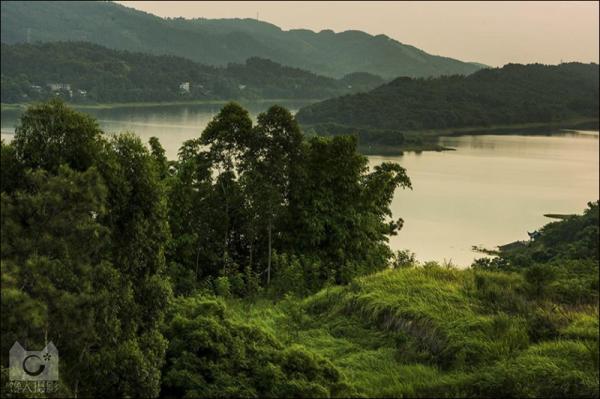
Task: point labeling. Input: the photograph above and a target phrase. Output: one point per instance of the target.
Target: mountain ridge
(221, 41)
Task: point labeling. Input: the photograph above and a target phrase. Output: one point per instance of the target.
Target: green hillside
(220, 41)
(257, 265)
(505, 328)
(99, 74)
(513, 94)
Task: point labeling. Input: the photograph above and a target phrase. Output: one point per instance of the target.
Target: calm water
(171, 124)
(490, 191)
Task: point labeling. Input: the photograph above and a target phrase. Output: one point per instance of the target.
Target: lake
(490, 191)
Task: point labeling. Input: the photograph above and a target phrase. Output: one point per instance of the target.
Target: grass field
(437, 331)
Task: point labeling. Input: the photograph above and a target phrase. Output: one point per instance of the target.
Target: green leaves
(83, 233)
(50, 134)
(212, 355)
(340, 211)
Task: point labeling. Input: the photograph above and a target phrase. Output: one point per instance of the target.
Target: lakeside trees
(83, 235)
(273, 192)
(97, 231)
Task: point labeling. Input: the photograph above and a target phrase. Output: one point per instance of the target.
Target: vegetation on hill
(513, 94)
(561, 262)
(257, 265)
(99, 233)
(219, 42)
(98, 74)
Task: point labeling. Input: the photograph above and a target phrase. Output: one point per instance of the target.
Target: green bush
(222, 286)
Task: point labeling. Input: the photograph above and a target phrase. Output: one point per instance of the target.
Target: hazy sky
(493, 33)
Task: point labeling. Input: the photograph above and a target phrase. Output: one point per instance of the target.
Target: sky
(493, 33)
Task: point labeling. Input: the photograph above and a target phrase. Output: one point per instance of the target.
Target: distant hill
(98, 74)
(220, 41)
(508, 95)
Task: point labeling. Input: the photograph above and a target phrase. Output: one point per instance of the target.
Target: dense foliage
(97, 231)
(220, 41)
(501, 96)
(99, 74)
(213, 355)
(259, 190)
(83, 228)
(561, 263)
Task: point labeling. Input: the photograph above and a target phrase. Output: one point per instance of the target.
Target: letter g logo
(40, 369)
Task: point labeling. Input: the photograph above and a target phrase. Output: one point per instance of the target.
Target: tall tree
(339, 213)
(58, 282)
(273, 157)
(50, 134)
(228, 136)
(83, 237)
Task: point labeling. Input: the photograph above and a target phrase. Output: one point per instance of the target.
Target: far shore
(20, 106)
(428, 138)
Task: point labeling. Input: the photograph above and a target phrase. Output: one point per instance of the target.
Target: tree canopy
(256, 265)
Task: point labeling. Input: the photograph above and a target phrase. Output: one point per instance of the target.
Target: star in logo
(47, 357)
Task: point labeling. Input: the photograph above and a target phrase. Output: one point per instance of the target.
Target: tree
(160, 159)
(51, 134)
(339, 212)
(271, 163)
(228, 136)
(57, 278)
(83, 239)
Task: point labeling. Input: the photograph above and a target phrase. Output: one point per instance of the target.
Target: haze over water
(490, 191)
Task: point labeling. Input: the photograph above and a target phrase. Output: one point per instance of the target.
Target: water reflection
(491, 190)
(173, 124)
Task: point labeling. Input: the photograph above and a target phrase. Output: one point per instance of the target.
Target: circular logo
(40, 368)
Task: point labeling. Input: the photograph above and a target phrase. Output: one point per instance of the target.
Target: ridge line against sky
(492, 33)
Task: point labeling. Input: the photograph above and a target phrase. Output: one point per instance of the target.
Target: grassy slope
(436, 331)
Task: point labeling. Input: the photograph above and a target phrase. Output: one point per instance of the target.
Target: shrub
(211, 355)
(222, 286)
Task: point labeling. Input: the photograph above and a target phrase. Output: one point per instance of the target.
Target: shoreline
(20, 106)
(430, 137)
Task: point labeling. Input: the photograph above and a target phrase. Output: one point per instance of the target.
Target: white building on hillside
(184, 87)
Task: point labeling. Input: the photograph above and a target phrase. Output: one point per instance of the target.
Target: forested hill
(98, 74)
(220, 41)
(512, 94)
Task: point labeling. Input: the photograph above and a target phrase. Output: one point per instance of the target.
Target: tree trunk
(269, 259)
(197, 261)
(225, 238)
(251, 245)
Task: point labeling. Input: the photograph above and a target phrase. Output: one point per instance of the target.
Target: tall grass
(422, 331)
